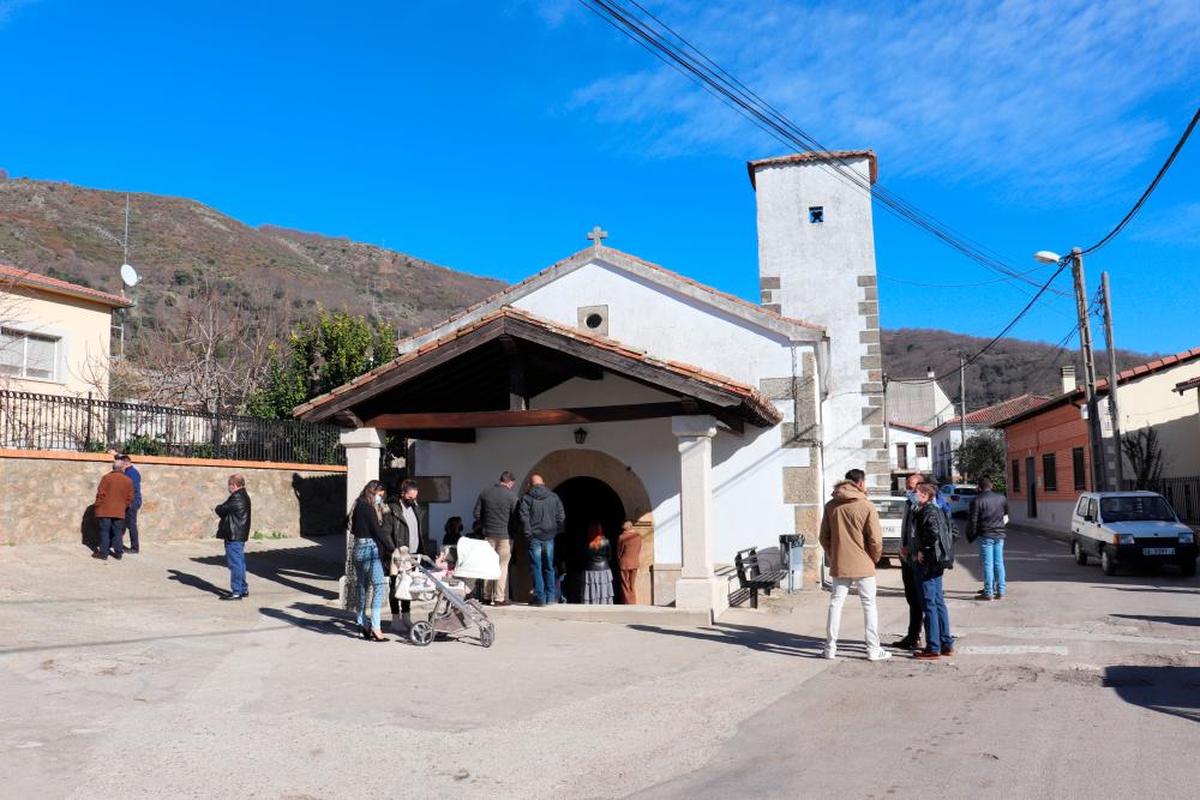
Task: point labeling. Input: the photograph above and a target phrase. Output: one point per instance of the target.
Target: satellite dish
(129, 276)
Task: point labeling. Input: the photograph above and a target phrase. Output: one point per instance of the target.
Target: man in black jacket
(542, 518)
(234, 528)
(908, 557)
(494, 512)
(986, 521)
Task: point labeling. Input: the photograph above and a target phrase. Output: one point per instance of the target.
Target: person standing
(597, 575)
(852, 538)
(234, 528)
(131, 516)
(114, 495)
(542, 518)
(986, 521)
(494, 513)
(405, 531)
(908, 561)
(372, 543)
(629, 554)
(933, 527)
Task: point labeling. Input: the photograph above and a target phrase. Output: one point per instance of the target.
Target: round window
(594, 321)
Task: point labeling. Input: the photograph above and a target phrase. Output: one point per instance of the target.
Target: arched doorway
(586, 500)
(593, 486)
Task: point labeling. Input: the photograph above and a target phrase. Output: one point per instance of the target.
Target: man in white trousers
(852, 539)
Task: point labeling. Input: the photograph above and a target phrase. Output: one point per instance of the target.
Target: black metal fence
(1184, 495)
(31, 421)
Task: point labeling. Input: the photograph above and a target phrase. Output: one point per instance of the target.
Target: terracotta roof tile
(813, 157)
(751, 396)
(23, 277)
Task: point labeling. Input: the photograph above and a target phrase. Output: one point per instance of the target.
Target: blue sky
(490, 137)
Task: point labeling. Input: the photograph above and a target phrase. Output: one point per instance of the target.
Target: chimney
(1068, 378)
(929, 373)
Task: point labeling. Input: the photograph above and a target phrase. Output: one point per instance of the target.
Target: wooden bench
(756, 572)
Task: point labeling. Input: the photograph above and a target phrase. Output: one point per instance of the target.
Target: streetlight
(1095, 440)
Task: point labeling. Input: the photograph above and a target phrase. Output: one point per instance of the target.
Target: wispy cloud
(1177, 225)
(1021, 91)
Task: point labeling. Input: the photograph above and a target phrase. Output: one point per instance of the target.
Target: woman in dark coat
(371, 543)
(597, 575)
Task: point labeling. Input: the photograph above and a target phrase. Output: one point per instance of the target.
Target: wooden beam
(517, 393)
(453, 436)
(455, 420)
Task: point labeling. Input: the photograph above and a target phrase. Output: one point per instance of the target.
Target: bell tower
(816, 262)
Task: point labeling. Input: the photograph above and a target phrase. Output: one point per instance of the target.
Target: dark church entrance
(585, 500)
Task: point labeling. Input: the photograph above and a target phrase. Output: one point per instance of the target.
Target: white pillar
(698, 588)
(363, 449)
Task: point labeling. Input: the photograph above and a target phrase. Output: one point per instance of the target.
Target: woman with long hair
(371, 545)
(597, 577)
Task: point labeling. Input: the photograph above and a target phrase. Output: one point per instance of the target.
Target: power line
(1149, 189)
(731, 91)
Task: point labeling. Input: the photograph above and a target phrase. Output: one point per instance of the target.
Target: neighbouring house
(948, 436)
(918, 402)
(1049, 460)
(908, 452)
(55, 336)
(712, 423)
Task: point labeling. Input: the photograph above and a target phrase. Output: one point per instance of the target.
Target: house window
(1049, 473)
(28, 355)
(922, 450)
(1077, 468)
(901, 456)
(1016, 477)
(816, 214)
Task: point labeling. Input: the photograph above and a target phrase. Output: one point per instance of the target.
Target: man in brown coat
(852, 539)
(629, 553)
(114, 495)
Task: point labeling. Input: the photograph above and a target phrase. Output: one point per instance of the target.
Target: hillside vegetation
(1010, 368)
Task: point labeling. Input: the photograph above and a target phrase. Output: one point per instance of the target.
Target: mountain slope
(75, 233)
(1010, 368)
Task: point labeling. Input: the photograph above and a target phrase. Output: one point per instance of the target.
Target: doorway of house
(585, 500)
(1031, 486)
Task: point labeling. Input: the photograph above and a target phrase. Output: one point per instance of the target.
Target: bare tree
(209, 349)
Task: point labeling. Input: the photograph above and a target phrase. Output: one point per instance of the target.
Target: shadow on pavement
(1155, 589)
(331, 622)
(1167, 690)
(292, 565)
(187, 579)
(1191, 621)
(763, 640)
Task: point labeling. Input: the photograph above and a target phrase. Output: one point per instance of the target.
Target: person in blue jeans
(131, 514)
(234, 528)
(930, 518)
(986, 521)
(372, 544)
(542, 518)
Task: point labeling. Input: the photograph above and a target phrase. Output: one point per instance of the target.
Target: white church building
(712, 423)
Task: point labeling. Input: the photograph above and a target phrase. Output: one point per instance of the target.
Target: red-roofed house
(55, 336)
(1048, 456)
(947, 436)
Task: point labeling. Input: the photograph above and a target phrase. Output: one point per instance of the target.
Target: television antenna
(129, 277)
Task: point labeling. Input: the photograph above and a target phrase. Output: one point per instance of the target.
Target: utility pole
(1118, 478)
(962, 403)
(1095, 442)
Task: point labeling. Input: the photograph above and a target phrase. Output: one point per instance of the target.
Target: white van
(1130, 528)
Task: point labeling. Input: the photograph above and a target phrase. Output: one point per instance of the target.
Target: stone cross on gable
(597, 235)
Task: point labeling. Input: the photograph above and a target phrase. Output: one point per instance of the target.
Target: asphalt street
(132, 679)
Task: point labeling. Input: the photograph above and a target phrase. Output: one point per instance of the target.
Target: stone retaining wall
(45, 496)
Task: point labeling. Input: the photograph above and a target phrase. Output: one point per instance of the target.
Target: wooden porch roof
(483, 374)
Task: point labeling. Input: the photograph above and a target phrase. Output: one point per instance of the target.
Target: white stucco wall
(83, 330)
(910, 440)
(819, 267)
(1153, 402)
(650, 317)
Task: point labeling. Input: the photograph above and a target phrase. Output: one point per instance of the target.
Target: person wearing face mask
(371, 540)
(908, 555)
(404, 526)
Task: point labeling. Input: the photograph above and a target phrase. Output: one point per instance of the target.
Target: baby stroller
(452, 612)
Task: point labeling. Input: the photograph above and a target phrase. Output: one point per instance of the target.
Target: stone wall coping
(64, 455)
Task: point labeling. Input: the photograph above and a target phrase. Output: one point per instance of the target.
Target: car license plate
(1158, 551)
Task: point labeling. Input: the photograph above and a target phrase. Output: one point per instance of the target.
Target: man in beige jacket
(852, 539)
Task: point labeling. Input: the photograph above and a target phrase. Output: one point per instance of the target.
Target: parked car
(891, 516)
(1130, 528)
(959, 496)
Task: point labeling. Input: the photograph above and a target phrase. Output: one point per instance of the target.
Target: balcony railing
(32, 421)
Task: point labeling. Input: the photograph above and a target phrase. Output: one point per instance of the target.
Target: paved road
(132, 680)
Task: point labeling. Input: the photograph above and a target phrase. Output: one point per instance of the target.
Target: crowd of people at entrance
(851, 536)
